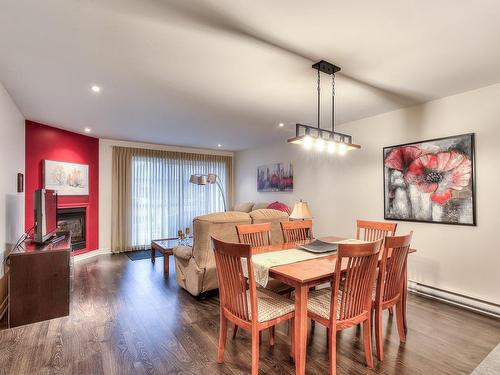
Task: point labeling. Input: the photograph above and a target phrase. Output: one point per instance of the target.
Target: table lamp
(301, 211)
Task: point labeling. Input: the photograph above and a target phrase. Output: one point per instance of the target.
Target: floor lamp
(211, 178)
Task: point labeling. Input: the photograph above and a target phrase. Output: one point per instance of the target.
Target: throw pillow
(280, 207)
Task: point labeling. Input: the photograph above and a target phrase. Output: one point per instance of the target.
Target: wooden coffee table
(165, 246)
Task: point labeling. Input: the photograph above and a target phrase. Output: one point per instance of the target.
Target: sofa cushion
(243, 207)
(280, 207)
(224, 217)
(260, 205)
(266, 214)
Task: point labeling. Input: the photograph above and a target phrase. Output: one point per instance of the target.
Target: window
(162, 198)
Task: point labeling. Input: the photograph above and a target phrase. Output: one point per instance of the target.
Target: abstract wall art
(66, 178)
(275, 177)
(431, 181)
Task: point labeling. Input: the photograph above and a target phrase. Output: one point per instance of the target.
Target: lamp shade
(198, 179)
(301, 211)
(211, 178)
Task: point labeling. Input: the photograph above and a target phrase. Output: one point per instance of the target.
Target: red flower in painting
(401, 157)
(440, 173)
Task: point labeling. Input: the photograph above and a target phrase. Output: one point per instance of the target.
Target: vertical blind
(162, 200)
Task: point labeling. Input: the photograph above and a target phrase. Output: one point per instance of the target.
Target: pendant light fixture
(314, 137)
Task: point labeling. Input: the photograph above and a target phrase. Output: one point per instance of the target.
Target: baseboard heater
(460, 300)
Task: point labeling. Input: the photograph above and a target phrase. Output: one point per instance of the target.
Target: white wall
(11, 163)
(339, 190)
(105, 177)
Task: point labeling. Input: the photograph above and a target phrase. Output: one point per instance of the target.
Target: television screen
(45, 214)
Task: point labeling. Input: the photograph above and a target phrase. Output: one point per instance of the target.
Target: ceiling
(202, 73)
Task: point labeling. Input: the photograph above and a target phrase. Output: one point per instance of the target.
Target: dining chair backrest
(392, 267)
(234, 290)
(254, 234)
(357, 263)
(296, 231)
(374, 230)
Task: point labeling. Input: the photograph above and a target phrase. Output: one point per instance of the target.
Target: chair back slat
(374, 230)
(234, 290)
(360, 262)
(392, 267)
(254, 235)
(296, 231)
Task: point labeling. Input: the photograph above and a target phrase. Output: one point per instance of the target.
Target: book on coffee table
(318, 246)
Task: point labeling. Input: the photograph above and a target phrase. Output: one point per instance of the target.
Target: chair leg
(332, 350)
(378, 334)
(271, 336)
(367, 342)
(292, 338)
(235, 330)
(222, 338)
(255, 351)
(400, 321)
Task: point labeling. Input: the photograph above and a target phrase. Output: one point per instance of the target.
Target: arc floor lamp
(210, 178)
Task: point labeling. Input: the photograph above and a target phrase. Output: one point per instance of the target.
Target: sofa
(195, 265)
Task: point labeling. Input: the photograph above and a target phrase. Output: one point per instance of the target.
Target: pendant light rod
(319, 98)
(333, 103)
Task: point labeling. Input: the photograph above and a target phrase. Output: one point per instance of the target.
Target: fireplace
(74, 220)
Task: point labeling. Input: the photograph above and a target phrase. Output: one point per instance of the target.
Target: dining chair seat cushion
(278, 287)
(271, 305)
(319, 302)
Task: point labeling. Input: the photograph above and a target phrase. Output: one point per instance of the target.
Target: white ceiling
(199, 73)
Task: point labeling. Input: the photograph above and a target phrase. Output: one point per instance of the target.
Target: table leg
(166, 265)
(300, 328)
(153, 254)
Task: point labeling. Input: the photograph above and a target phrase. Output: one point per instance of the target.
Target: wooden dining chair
(254, 234)
(374, 230)
(257, 235)
(241, 302)
(296, 231)
(340, 308)
(389, 290)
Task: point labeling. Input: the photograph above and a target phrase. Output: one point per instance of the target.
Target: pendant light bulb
(332, 147)
(320, 145)
(342, 149)
(308, 142)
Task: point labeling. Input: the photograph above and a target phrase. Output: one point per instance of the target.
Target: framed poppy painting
(431, 181)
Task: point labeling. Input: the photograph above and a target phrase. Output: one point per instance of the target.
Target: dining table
(302, 276)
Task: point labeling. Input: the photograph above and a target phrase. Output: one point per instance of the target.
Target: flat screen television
(45, 202)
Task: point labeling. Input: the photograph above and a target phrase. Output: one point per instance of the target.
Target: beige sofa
(195, 266)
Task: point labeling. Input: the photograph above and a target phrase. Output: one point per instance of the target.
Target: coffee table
(165, 246)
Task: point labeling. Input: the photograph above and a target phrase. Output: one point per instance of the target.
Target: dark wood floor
(126, 319)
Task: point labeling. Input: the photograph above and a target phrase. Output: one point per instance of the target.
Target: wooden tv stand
(39, 281)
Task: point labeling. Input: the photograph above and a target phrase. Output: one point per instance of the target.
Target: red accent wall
(48, 143)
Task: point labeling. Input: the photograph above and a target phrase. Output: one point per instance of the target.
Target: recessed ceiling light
(87, 130)
(219, 145)
(95, 88)
(281, 124)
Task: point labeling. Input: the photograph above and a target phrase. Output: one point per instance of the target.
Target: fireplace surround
(74, 220)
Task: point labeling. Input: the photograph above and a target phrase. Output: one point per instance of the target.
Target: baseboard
(91, 254)
(456, 299)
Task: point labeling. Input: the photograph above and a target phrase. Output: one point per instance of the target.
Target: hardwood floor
(126, 319)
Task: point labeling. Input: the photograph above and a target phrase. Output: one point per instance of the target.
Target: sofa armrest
(183, 252)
